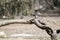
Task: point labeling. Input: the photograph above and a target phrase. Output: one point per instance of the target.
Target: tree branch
(7, 22)
(49, 30)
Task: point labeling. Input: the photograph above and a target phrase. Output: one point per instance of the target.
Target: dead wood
(7, 22)
(43, 26)
(39, 24)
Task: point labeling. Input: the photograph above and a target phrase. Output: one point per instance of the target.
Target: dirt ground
(53, 22)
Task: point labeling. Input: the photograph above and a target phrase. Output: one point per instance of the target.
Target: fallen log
(49, 30)
(40, 25)
(7, 22)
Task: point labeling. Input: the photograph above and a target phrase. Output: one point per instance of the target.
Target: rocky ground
(53, 22)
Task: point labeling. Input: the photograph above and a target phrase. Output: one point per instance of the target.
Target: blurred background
(10, 9)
